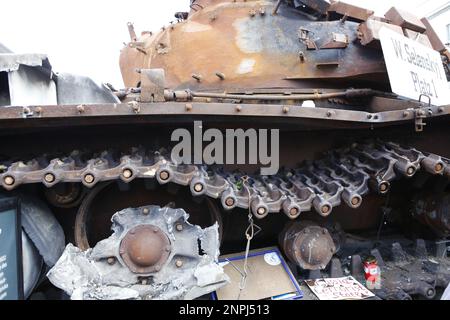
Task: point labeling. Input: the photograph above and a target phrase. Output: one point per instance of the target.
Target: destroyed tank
(353, 167)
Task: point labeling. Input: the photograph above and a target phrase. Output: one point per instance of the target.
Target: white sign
(346, 288)
(414, 69)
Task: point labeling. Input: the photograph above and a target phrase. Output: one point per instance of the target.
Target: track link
(343, 175)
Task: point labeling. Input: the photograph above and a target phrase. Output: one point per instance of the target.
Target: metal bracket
(152, 85)
(420, 113)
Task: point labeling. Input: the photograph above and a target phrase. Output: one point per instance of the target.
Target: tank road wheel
(93, 218)
(153, 253)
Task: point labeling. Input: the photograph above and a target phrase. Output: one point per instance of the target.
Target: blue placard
(11, 287)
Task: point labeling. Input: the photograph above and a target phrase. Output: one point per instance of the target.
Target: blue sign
(11, 287)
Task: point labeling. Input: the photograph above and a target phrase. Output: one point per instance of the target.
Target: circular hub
(145, 249)
(313, 248)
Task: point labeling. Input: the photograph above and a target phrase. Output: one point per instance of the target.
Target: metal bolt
(261, 210)
(145, 211)
(301, 55)
(293, 211)
(383, 187)
(197, 77)
(438, 167)
(9, 181)
(285, 109)
(135, 106)
(238, 108)
(441, 109)
(325, 209)
(329, 114)
(111, 260)
(179, 263)
(229, 202)
(80, 108)
(188, 107)
(252, 13)
(157, 268)
(164, 175)
(127, 173)
(26, 110)
(220, 75)
(144, 281)
(355, 201)
(89, 178)
(49, 177)
(198, 187)
(38, 110)
(405, 114)
(262, 12)
(179, 227)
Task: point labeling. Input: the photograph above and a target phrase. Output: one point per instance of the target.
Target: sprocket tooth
(398, 254)
(376, 253)
(336, 268)
(421, 249)
(356, 267)
(441, 249)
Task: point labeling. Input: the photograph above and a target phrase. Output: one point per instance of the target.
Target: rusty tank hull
(355, 159)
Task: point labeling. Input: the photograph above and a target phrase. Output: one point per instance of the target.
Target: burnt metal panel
(30, 86)
(74, 89)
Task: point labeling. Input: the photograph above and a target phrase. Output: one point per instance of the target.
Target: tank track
(342, 175)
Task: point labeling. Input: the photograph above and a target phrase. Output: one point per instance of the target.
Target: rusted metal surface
(351, 12)
(152, 85)
(307, 245)
(145, 248)
(368, 32)
(405, 20)
(169, 111)
(383, 104)
(265, 61)
(232, 64)
(120, 267)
